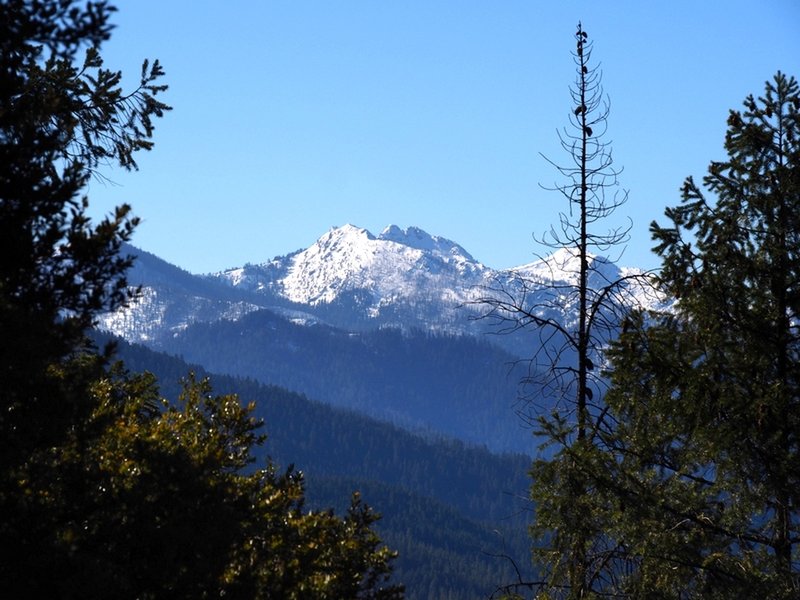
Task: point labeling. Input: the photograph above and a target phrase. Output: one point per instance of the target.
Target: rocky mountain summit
(396, 264)
(388, 326)
(350, 279)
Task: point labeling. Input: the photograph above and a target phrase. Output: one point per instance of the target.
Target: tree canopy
(106, 489)
(693, 483)
(705, 461)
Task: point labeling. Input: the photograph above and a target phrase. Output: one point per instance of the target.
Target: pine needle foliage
(107, 490)
(705, 468)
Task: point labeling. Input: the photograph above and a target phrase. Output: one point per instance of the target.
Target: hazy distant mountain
(443, 385)
(450, 509)
(380, 324)
(354, 279)
(349, 279)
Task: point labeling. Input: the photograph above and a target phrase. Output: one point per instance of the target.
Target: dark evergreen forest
(457, 386)
(449, 508)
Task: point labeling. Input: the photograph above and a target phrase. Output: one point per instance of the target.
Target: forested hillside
(457, 386)
(447, 507)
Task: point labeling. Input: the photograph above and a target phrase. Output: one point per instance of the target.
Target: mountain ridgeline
(366, 358)
(386, 325)
(455, 386)
(451, 510)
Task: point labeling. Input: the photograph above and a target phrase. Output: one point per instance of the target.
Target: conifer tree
(705, 469)
(106, 490)
(62, 116)
(574, 323)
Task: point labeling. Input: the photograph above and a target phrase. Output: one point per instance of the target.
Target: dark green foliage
(447, 507)
(58, 122)
(442, 553)
(106, 490)
(148, 500)
(699, 478)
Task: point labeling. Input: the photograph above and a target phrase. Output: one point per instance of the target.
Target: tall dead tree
(573, 301)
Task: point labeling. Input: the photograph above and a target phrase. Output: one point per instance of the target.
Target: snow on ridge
(414, 237)
(155, 311)
(563, 265)
(235, 276)
(345, 258)
(399, 276)
(399, 263)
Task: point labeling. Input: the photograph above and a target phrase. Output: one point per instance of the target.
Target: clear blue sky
(292, 117)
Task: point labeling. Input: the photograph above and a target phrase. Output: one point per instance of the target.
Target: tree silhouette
(106, 490)
(702, 474)
(574, 323)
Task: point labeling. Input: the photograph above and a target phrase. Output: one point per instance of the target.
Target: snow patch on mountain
(414, 237)
(157, 311)
(397, 264)
(352, 279)
(139, 320)
(564, 266)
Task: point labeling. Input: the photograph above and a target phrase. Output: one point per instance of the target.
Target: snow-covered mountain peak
(399, 262)
(351, 278)
(564, 265)
(414, 237)
(347, 233)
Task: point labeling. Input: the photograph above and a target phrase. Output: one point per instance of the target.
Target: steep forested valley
(457, 513)
(456, 386)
